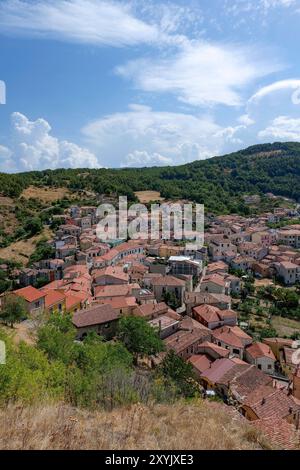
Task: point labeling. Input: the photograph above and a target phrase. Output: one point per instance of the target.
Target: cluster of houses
(187, 297)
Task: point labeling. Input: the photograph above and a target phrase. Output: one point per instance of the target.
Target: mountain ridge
(218, 182)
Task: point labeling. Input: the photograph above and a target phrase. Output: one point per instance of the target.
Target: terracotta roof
(94, 316)
(208, 313)
(200, 362)
(217, 370)
(260, 350)
(71, 300)
(167, 281)
(267, 402)
(231, 335)
(279, 433)
(113, 290)
(248, 380)
(222, 352)
(53, 297)
(112, 271)
(215, 279)
(30, 294)
(148, 310)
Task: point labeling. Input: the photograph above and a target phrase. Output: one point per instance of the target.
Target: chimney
(263, 401)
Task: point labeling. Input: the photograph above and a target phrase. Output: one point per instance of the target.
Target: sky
(93, 83)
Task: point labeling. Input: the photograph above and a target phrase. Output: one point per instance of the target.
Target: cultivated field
(45, 194)
(148, 196)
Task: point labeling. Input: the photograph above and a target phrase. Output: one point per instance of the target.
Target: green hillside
(219, 182)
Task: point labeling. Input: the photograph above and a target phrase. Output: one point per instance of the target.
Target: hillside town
(195, 300)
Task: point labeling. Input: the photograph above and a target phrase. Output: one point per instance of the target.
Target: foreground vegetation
(199, 425)
(93, 373)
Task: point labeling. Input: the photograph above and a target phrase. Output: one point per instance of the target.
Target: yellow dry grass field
(147, 196)
(45, 194)
(263, 282)
(20, 251)
(202, 425)
(285, 326)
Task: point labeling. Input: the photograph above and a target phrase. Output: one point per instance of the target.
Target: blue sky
(92, 83)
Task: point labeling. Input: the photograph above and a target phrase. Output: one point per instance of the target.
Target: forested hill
(218, 182)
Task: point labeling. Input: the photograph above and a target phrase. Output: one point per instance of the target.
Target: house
(289, 237)
(151, 310)
(193, 299)
(219, 249)
(264, 238)
(121, 304)
(55, 301)
(110, 275)
(243, 263)
(266, 402)
(277, 345)
(101, 319)
(212, 317)
(73, 303)
(213, 350)
(215, 284)
(281, 434)
(171, 285)
(185, 265)
(235, 284)
(261, 355)
(116, 290)
(289, 272)
(214, 373)
(187, 340)
(34, 299)
(253, 250)
(165, 325)
(218, 267)
(232, 338)
(200, 363)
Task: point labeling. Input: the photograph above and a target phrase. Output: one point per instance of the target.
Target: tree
(138, 336)
(181, 373)
(56, 338)
(268, 333)
(33, 226)
(14, 310)
(171, 300)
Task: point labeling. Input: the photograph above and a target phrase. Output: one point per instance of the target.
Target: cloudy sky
(93, 83)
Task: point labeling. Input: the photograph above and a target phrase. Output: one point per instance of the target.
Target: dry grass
(285, 326)
(202, 425)
(147, 196)
(20, 251)
(45, 194)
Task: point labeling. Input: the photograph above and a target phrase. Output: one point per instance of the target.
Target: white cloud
(99, 22)
(246, 120)
(201, 73)
(33, 147)
(143, 158)
(290, 84)
(277, 3)
(282, 128)
(142, 137)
